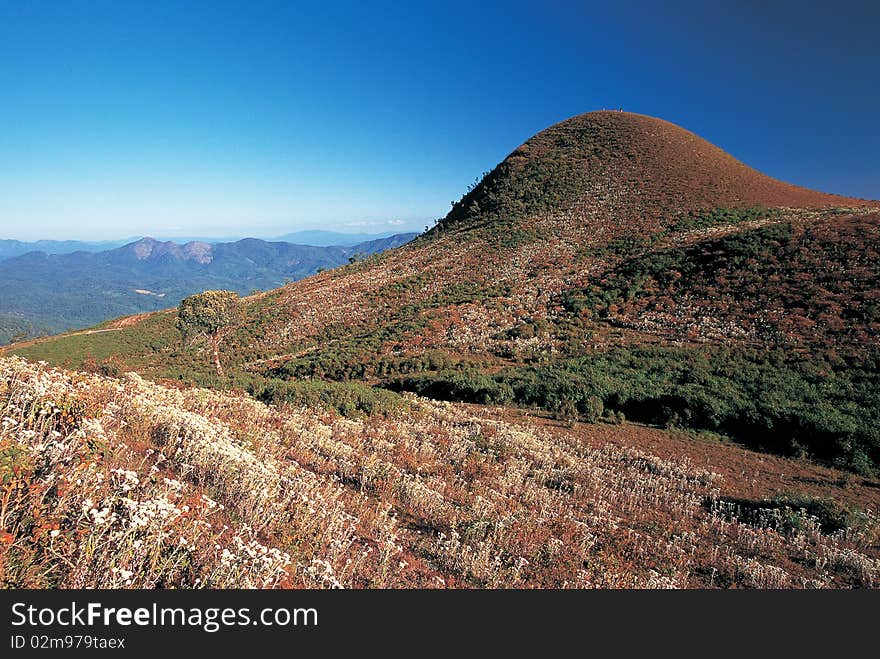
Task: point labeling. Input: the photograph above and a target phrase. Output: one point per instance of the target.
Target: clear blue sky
(260, 118)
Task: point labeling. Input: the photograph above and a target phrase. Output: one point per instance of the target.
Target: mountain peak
(630, 165)
(144, 247)
(150, 248)
(198, 251)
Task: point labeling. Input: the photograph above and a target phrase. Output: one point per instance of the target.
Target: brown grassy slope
(813, 282)
(441, 494)
(522, 234)
(572, 187)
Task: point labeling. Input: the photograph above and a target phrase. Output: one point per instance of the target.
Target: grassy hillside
(789, 381)
(640, 167)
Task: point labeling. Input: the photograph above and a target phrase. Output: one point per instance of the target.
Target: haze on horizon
(231, 119)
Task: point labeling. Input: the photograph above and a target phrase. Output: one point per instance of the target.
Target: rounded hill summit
(625, 163)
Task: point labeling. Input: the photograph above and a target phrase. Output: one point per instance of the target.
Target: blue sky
(261, 118)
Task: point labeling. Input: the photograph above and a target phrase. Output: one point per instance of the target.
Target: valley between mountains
(623, 359)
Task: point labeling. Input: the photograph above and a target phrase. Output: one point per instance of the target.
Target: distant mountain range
(50, 291)
(312, 237)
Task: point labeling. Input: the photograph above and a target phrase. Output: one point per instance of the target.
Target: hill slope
(614, 264)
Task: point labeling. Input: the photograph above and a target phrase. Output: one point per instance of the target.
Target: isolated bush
(211, 315)
(566, 410)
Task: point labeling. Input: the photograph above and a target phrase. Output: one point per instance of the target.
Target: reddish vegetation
(745, 474)
(814, 285)
(672, 168)
(614, 174)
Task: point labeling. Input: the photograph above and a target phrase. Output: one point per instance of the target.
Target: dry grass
(125, 483)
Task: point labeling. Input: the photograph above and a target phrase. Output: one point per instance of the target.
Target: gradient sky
(259, 118)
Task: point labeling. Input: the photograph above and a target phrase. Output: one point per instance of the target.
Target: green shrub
(824, 407)
(566, 410)
(789, 513)
(592, 409)
(348, 398)
(465, 386)
(832, 515)
(639, 272)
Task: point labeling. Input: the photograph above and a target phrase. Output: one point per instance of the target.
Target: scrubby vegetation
(805, 283)
(350, 399)
(666, 267)
(825, 407)
(793, 512)
(345, 352)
